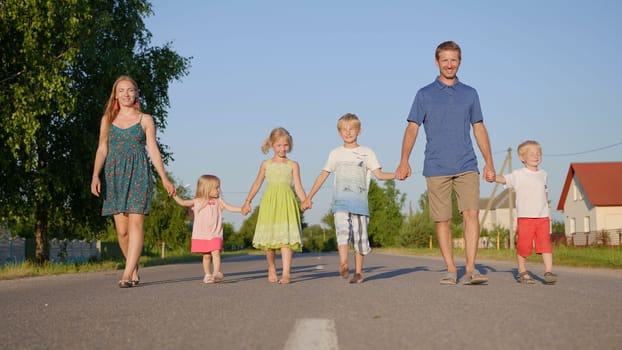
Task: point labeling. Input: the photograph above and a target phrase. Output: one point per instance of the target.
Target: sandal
(137, 280)
(449, 279)
(344, 271)
(550, 278)
(125, 284)
(525, 278)
(219, 277)
(476, 277)
(208, 278)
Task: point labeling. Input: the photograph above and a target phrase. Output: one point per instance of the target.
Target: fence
(13, 250)
(608, 238)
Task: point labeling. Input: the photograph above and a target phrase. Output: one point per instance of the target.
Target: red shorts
(530, 231)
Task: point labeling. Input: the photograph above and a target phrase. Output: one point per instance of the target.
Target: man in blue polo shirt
(448, 109)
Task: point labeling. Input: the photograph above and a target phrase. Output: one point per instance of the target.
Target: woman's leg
(134, 244)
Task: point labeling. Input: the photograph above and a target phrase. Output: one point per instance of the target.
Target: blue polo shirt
(447, 113)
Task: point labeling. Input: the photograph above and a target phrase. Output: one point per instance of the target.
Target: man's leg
(443, 234)
(471, 238)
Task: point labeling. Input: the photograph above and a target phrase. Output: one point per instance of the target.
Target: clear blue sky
(544, 70)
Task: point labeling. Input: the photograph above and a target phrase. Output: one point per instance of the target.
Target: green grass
(596, 257)
(600, 257)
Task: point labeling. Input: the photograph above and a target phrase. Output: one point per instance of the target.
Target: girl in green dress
(278, 222)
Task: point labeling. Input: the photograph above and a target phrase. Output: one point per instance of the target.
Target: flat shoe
(137, 280)
(219, 277)
(525, 278)
(449, 279)
(550, 278)
(476, 277)
(125, 284)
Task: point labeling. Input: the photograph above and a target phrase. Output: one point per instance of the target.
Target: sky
(544, 70)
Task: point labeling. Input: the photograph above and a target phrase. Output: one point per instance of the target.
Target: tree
(168, 222)
(420, 226)
(315, 238)
(247, 231)
(59, 59)
(386, 218)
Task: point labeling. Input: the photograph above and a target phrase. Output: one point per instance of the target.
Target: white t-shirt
(531, 192)
(352, 168)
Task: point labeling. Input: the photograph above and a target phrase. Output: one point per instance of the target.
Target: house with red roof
(591, 201)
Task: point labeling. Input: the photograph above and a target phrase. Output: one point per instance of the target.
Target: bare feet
(357, 278)
(284, 280)
(344, 271)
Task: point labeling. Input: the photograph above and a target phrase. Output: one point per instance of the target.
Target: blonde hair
(349, 118)
(110, 113)
(522, 148)
(275, 134)
(205, 185)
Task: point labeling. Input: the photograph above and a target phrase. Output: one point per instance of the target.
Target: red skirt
(205, 245)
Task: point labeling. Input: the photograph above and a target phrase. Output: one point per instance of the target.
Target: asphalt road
(400, 305)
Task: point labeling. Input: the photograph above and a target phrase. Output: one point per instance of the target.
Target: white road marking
(313, 334)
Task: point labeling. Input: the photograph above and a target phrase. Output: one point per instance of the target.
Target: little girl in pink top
(207, 207)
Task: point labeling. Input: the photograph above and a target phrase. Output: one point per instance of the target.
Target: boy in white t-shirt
(352, 165)
(532, 209)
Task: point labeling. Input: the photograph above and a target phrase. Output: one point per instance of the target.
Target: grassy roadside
(596, 257)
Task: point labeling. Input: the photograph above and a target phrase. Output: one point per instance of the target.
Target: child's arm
(319, 181)
(183, 202)
(500, 179)
(300, 192)
(246, 208)
(381, 175)
(229, 207)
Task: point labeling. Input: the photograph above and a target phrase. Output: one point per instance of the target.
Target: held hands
(403, 171)
(169, 187)
(306, 204)
(489, 173)
(246, 208)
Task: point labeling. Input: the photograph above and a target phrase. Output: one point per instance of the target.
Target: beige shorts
(466, 186)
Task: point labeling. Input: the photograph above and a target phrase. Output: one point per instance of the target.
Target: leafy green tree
(417, 231)
(315, 238)
(59, 59)
(386, 218)
(558, 226)
(419, 226)
(168, 222)
(247, 231)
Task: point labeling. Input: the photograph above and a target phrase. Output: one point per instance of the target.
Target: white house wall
(577, 209)
(608, 218)
(498, 217)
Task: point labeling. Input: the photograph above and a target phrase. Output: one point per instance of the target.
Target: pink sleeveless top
(207, 219)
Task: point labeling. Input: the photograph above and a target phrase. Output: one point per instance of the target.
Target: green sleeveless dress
(128, 184)
(278, 222)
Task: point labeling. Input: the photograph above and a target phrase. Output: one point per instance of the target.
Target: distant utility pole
(507, 161)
